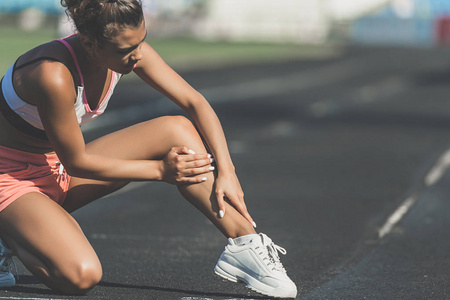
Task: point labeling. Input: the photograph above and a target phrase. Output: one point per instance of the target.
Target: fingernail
(254, 224)
(191, 151)
(212, 159)
(204, 179)
(209, 155)
(211, 168)
(221, 214)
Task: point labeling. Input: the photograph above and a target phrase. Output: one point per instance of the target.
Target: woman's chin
(126, 70)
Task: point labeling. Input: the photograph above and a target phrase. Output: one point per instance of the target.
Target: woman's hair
(103, 19)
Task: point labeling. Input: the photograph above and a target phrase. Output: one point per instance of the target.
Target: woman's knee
(181, 130)
(79, 278)
(179, 123)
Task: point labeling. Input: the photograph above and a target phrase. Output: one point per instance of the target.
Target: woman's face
(122, 52)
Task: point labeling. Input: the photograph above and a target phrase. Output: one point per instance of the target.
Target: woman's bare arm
(54, 97)
(153, 70)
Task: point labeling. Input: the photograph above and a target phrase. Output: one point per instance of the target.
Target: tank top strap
(74, 57)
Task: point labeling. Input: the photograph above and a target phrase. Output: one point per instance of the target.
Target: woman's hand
(181, 166)
(228, 187)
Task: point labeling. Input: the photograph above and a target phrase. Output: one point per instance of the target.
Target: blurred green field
(14, 42)
(190, 53)
(180, 53)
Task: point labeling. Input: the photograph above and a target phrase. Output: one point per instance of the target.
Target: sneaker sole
(252, 283)
(7, 282)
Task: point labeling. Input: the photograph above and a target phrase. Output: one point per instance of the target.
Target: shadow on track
(30, 279)
(173, 290)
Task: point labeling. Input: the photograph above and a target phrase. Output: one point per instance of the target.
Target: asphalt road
(343, 162)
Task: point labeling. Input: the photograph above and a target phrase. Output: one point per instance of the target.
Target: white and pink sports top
(29, 112)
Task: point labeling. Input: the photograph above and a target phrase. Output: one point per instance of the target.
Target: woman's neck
(88, 63)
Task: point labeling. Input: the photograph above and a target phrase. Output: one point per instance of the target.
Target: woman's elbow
(196, 102)
(75, 168)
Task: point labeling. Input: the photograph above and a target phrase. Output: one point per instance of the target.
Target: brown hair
(103, 19)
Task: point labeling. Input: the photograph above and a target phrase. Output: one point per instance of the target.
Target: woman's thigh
(147, 140)
(48, 240)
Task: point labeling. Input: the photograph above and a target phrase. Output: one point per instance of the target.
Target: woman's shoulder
(50, 51)
(44, 69)
(51, 60)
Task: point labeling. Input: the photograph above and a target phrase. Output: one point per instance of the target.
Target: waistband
(13, 155)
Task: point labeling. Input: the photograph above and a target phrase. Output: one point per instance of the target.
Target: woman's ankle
(242, 231)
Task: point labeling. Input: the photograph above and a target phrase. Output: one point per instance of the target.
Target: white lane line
(200, 298)
(397, 216)
(364, 95)
(251, 89)
(25, 298)
(126, 237)
(438, 170)
(145, 237)
(272, 86)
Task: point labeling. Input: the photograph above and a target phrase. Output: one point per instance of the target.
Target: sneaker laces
(270, 253)
(6, 259)
(6, 263)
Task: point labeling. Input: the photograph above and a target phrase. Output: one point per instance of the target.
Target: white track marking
(144, 237)
(438, 170)
(397, 216)
(25, 298)
(128, 237)
(364, 95)
(200, 298)
(272, 86)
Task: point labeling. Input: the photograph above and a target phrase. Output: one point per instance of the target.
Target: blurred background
(183, 30)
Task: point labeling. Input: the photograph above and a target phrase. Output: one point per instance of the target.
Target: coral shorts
(23, 172)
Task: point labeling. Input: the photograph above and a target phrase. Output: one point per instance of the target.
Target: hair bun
(102, 19)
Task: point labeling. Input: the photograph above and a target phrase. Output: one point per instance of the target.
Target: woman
(45, 166)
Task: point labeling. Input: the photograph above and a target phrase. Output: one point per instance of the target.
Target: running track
(343, 162)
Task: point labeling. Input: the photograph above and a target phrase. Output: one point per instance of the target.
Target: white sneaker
(6, 277)
(257, 264)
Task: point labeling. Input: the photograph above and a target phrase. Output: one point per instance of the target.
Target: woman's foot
(254, 260)
(6, 277)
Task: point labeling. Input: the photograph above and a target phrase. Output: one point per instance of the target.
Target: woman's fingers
(194, 166)
(187, 166)
(189, 156)
(198, 164)
(238, 202)
(194, 175)
(221, 203)
(197, 179)
(197, 158)
(182, 150)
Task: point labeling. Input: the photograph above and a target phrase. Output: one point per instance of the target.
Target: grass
(191, 53)
(180, 53)
(14, 43)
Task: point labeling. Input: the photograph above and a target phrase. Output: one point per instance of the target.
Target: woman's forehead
(129, 36)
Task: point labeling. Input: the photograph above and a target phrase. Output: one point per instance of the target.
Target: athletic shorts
(23, 172)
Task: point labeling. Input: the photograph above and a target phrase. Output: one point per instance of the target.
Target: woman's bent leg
(49, 242)
(153, 140)
(203, 197)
